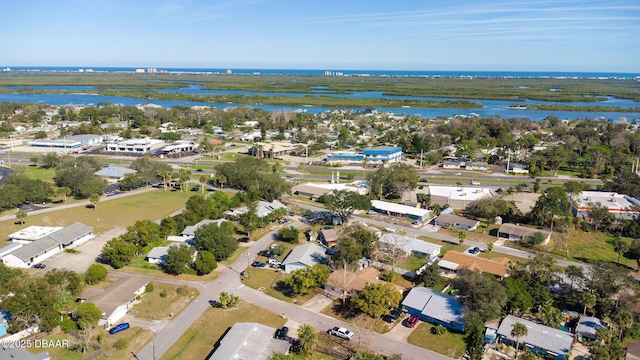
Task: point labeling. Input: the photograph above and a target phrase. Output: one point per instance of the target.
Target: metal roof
(249, 341)
(35, 248)
(539, 336)
(308, 254)
(434, 304)
(398, 208)
(70, 233)
(115, 171)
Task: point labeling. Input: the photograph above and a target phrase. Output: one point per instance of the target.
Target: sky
(478, 35)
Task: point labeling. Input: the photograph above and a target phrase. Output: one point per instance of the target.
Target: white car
(473, 182)
(341, 333)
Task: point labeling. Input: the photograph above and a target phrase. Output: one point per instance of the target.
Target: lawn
(137, 338)
(155, 307)
(36, 172)
(344, 313)
(450, 343)
(585, 246)
(198, 341)
(143, 267)
(117, 212)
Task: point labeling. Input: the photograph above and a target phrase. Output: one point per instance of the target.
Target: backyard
(450, 343)
(156, 306)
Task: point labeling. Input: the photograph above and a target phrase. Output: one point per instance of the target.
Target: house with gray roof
(434, 307)
(116, 299)
(49, 245)
(587, 327)
(305, 255)
(521, 233)
(190, 231)
(540, 339)
(264, 208)
(455, 221)
(21, 353)
(158, 255)
(409, 245)
(114, 173)
(249, 341)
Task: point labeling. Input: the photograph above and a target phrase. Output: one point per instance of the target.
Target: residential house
(434, 307)
(518, 169)
(453, 164)
(158, 255)
(344, 282)
(409, 245)
(455, 221)
(587, 327)
(114, 173)
(540, 339)
(312, 192)
(190, 231)
(393, 209)
(328, 237)
(521, 233)
(249, 341)
(454, 262)
(264, 209)
(302, 256)
(619, 205)
(481, 166)
(116, 299)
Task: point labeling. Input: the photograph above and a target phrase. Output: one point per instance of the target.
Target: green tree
(634, 252)
(393, 181)
(288, 234)
(205, 262)
(623, 319)
(21, 215)
(375, 300)
(519, 300)
(227, 300)
(131, 181)
(553, 206)
(550, 315)
(64, 191)
(217, 239)
(518, 331)
(118, 252)
(574, 273)
(462, 236)
(179, 259)
(599, 217)
(94, 199)
(87, 315)
(431, 275)
(304, 281)
(249, 220)
(307, 337)
(95, 274)
(620, 246)
(345, 202)
(482, 295)
(589, 300)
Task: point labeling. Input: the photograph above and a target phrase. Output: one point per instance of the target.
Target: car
(258, 264)
(199, 170)
(196, 188)
(118, 328)
(475, 250)
(244, 239)
(274, 261)
(341, 332)
(39, 266)
(420, 187)
(524, 185)
(412, 321)
(424, 180)
(266, 253)
(457, 174)
(473, 182)
(282, 333)
(392, 316)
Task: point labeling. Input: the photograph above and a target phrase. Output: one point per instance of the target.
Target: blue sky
(516, 35)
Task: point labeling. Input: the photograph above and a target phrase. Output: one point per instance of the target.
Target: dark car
(120, 327)
(196, 188)
(475, 250)
(266, 253)
(282, 333)
(244, 239)
(39, 266)
(392, 316)
(412, 321)
(199, 170)
(258, 264)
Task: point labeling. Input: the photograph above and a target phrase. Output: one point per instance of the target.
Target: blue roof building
(375, 155)
(434, 307)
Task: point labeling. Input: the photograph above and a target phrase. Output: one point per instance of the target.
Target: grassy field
(155, 307)
(450, 344)
(137, 338)
(198, 341)
(142, 267)
(118, 212)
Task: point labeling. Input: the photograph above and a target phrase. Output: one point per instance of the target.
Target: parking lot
(86, 255)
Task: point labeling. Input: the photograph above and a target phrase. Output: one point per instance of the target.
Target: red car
(412, 321)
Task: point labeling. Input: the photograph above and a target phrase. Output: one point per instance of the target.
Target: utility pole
(508, 161)
(421, 153)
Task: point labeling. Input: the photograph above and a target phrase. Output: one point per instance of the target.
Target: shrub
(149, 287)
(288, 234)
(67, 325)
(163, 293)
(95, 274)
(121, 343)
(182, 290)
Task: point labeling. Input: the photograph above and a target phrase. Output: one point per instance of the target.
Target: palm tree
(221, 180)
(462, 236)
(203, 180)
(518, 331)
(301, 168)
(623, 319)
(64, 191)
(21, 215)
(275, 168)
(589, 300)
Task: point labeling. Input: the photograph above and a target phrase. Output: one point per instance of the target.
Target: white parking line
(241, 286)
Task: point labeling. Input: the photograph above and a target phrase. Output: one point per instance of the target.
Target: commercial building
(32, 233)
(457, 197)
(540, 339)
(135, 146)
(270, 150)
(393, 209)
(373, 156)
(69, 142)
(114, 173)
(619, 205)
(249, 341)
(48, 246)
(434, 307)
(178, 148)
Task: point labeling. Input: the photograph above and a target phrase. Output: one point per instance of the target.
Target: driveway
(86, 255)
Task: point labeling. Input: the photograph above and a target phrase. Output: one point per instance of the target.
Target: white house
(410, 245)
(116, 299)
(305, 255)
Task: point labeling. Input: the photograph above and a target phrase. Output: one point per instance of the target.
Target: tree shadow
(345, 310)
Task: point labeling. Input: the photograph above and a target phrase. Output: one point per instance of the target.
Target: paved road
(230, 281)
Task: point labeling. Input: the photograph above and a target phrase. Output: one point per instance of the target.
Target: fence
(401, 271)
